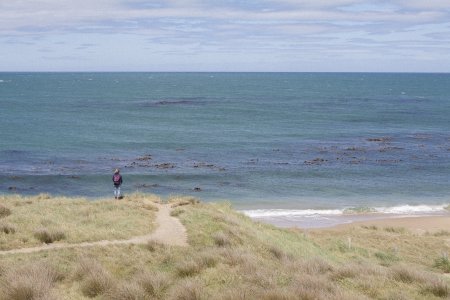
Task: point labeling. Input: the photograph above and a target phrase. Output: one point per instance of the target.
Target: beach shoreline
(419, 223)
(413, 224)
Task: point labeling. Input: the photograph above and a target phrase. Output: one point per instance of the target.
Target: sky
(225, 35)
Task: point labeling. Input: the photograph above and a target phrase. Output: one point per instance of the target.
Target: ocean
(308, 149)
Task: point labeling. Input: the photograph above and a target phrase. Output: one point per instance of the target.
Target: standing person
(117, 180)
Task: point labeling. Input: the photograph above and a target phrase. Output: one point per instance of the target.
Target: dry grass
(4, 211)
(208, 258)
(176, 212)
(153, 246)
(221, 239)
(437, 287)
(49, 236)
(442, 263)
(316, 287)
(127, 291)
(31, 281)
(354, 270)
(154, 284)
(188, 267)
(277, 252)
(7, 228)
(176, 201)
(442, 233)
(231, 257)
(407, 274)
(316, 265)
(80, 219)
(95, 279)
(187, 289)
(399, 230)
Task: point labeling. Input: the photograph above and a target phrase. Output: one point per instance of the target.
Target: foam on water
(397, 210)
(311, 218)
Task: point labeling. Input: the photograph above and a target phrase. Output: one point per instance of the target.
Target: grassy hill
(229, 256)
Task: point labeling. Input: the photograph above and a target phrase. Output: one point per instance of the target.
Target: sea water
(289, 146)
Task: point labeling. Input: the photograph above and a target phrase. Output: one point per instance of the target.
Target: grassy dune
(31, 221)
(229, 257)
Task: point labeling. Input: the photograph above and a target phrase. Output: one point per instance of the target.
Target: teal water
(260, 140)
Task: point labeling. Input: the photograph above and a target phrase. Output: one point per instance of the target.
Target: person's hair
(116, 171)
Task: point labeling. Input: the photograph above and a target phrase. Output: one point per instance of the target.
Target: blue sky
(228, 35)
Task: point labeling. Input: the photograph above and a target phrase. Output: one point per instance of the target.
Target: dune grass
(46, 219)
(231, 257)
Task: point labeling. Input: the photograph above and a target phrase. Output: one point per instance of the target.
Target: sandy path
(170, 231)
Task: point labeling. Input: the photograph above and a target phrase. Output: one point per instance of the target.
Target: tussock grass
(95, 279)
(386, 258)
(49, 236)
(437, 287)
(208, 258)
(354, 270)
(370, 227)
(127, 291)
(277, 252)
(4, 211)
(154, 284)
(31, 281)
(176, 201)
(187, 289)
(442, 263)
(7, 228)
(188, 267)
(236, 257)
(153, 246)
(221, 239)
(399, 230)
(316, 265)
(238, 293)
(313, 287)
(408, 274)
(80, 219)
(231, 257)
(442, 233)
(176, 212)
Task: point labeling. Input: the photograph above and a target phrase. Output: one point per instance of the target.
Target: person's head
(116, 171)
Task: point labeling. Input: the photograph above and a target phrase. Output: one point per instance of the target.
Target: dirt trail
(170, 231)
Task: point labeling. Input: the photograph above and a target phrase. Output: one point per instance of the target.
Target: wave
(397, 210)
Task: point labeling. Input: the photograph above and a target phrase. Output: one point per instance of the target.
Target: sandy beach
(419, 225)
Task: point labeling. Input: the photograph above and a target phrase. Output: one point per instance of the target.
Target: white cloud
(220, 29)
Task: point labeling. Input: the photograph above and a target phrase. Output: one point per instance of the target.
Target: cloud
(223, 28)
